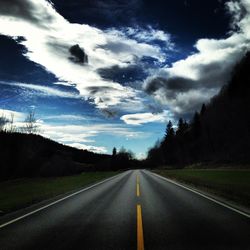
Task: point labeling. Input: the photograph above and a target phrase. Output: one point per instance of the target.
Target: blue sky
(135, 65)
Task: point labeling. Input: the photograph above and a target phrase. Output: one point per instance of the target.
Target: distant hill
(219, 133)
(29, 155)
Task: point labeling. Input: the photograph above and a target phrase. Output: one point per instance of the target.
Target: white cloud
(18, 117)
(86, 133)
(48, 37)
(149, 34)
(141, 118)
(67, 117)
(95, 149)
(43, 90)
(185, 85)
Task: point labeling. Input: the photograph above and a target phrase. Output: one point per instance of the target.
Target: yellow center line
(138, 190)
(140, 240)
(137, 186)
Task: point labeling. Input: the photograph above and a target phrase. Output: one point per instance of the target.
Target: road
(134, 210)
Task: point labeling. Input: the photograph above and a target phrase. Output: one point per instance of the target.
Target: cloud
(86, 133)
(95, 149)
(238, 11)
(188, 83)
(43, 90)
(48, 38)
(129, 48)
(18, 117)
(141, 118)
(79, 56)
(38, 13)
(66, 117)
(150, 35)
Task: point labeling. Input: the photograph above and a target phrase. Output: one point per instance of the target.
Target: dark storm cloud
(183, 95)
(169, 91)
(78, 54)
(171, 85)
(180, 94)
(26, 10)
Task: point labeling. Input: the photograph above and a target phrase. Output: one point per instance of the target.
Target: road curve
(135, 210)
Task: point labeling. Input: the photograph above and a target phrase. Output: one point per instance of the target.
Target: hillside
(219, 133)
(29, 155)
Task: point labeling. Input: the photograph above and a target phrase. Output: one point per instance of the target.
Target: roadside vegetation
(231, 184)
(20, 193)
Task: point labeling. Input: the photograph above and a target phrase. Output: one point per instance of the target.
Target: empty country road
(133, 210)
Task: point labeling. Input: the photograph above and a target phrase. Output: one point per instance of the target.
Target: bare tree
(12, 128)
(3, 122)
(31, 126)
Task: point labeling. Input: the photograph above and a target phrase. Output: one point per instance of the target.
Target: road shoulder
(245, 211)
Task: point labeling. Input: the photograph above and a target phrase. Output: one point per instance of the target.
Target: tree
(3, 122)
(169, 131)
(168, 145)
(12, 128)
(196, 125)
(114, 152)
(203, 109)
(182, 127)
(31, 126)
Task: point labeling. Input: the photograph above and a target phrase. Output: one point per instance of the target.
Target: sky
(111, 73)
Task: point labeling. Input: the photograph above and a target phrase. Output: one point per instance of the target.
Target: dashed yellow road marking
(140, 240)
(137, 186)
(137, 189)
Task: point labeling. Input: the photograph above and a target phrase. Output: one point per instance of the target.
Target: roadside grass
(231, 184)
(20, 193)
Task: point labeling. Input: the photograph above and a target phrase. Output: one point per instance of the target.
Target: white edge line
(57, 201)
(203, 195)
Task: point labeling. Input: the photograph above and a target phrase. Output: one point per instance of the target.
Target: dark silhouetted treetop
(114, 152)
(182, 127)
(169, 131)
(203, 109)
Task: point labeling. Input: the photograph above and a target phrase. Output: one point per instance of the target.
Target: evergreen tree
(182, 127)
(169, 131)
(114, 152)
(196, 125)
(203, 109)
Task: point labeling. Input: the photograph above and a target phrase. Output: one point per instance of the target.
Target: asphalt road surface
(134, 210)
